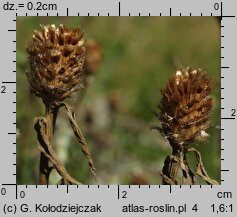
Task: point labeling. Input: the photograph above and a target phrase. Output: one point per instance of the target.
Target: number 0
(216, 6)
(3, 191)
(22, 194)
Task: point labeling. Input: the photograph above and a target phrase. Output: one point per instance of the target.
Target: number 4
(195, 208)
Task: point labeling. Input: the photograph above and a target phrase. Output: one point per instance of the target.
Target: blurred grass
(139, 55)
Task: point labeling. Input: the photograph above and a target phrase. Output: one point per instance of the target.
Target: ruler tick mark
(118, 192)
(8, 82)
(228, 16)
(221, 10)
(119, 8)
(16, 192)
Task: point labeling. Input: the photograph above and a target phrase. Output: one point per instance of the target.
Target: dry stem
(44, 127)
(44, 168)
(178, 160)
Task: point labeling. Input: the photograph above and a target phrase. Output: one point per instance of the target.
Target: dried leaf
(200, 171)
(79, 136)
(46, 148)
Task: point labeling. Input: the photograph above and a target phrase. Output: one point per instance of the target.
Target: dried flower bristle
(185, 107)
(56, 57)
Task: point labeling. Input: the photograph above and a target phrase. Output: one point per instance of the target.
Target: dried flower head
(56, 57)
(185, 107)
(93, 57)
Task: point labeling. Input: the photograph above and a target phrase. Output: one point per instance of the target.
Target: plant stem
(171, 167)
(44, 168)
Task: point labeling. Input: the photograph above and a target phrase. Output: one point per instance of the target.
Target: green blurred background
(139, 54)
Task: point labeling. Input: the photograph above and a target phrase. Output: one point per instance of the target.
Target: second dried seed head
(185, 107)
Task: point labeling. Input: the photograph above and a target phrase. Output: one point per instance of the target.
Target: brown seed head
(185, 109)
(93, 57)
(56, 56)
